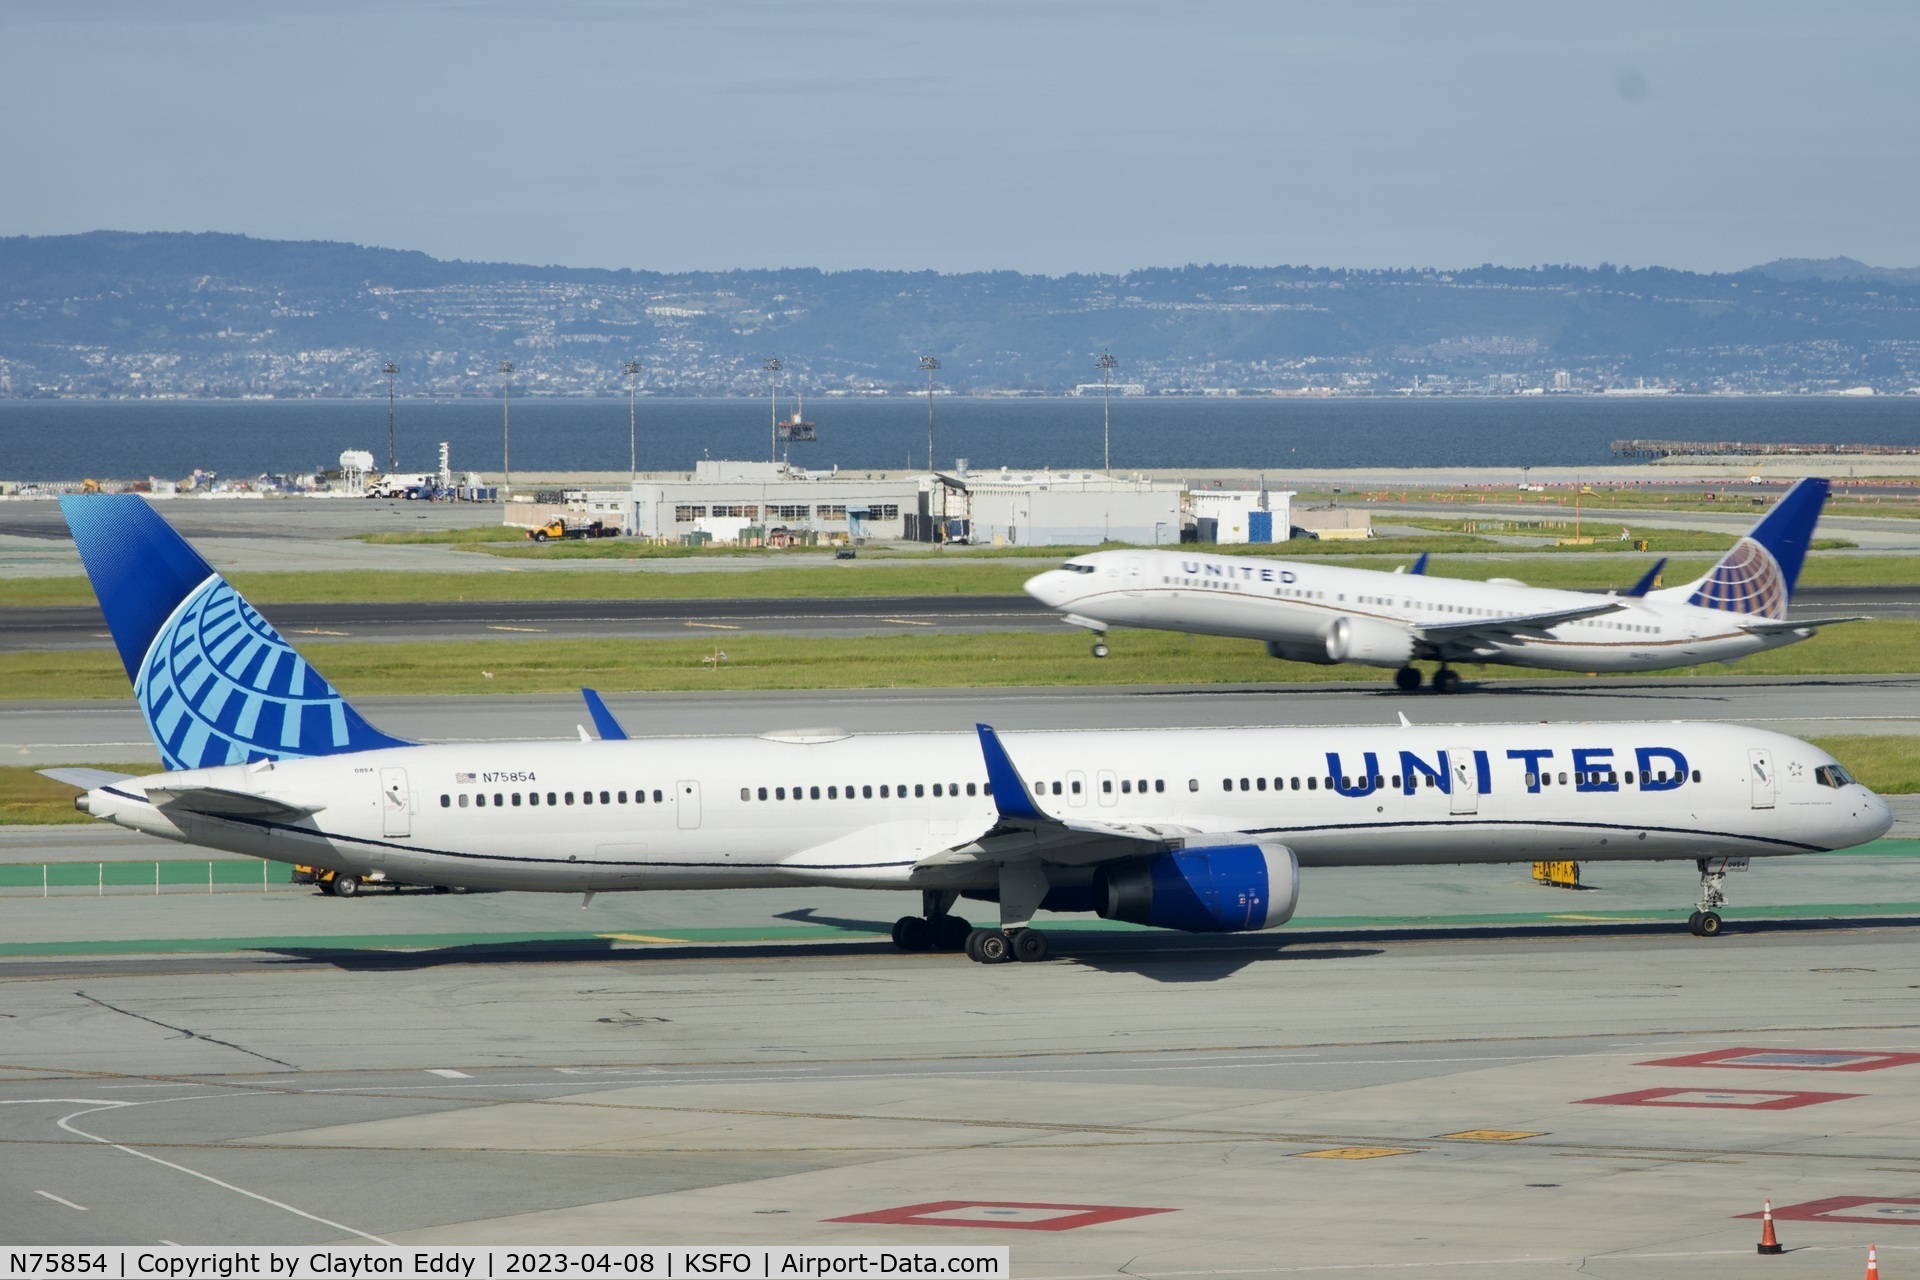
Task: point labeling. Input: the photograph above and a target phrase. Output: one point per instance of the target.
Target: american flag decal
(463, 777)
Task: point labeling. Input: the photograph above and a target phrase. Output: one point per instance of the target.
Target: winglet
(603, 722)
(1648, 580)
(1010, 794)
(1420, 565)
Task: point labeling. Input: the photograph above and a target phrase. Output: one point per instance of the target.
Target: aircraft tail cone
(1769, 1243)
(1873, 1265)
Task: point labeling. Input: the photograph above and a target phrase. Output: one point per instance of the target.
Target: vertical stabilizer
(214, 680)
(1757, 577)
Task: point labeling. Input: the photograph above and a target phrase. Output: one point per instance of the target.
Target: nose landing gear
(1705, 922)
(1100, 647)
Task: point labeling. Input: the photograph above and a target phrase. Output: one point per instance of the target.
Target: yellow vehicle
(558, 528)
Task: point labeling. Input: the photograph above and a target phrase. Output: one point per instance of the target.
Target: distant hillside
(1803, 270)
(125, 314)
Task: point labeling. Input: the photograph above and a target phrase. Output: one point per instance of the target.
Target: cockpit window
(1074, 566)
(1832, 775)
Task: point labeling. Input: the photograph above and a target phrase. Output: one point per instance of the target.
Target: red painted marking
(1899, 1212)
(981, 1213)
(1723, 1099)
(1785, 1060)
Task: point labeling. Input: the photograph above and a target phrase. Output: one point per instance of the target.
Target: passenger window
(1193, 784)
(813, 793)
(1226, 784)
(586, 797)
(779, 793)
(746, 793)
(553, 799)
(866, 792)
(970, 788)
(1106, 786)
(833, 793)
(621, 796)
(656, 797)
(1261, 784)
(1563, 779)
(919, 789)
(1313, 784)
(1076, 787)
(986, 788)
(446, 802)
(953, 788)
(936, 791)
(480, 800)
(1533, 780)
(1126, 787)
(883, 791)
(1159, 786)
(1696, 775)
(603, 798)
(1142, 785)
(1056, 788)
(463, 801)
(569, 797)
(763, 793)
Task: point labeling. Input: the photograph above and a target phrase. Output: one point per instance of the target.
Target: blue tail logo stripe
(216, 683)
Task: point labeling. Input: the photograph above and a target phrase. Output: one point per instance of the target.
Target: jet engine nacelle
(1224, 888)
(1288, 651)
(1368, 640)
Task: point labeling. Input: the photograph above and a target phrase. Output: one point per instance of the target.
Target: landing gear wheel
(913, 933)
(989, 946)
(950, 933)
(344, 886)
(1407, 679)
(1709, 924)
(1099, 648)
(1693, 924)
(1446, 680)
(1029, 946)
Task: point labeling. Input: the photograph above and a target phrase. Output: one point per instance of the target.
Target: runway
(75, 627)
(42, 732)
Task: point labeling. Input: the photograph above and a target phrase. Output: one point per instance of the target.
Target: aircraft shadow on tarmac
(1162, 957)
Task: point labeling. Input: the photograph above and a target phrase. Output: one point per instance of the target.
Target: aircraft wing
(219, 802)
(1771, 627)
(1508, 628)
(1024, 830)
(85, 779)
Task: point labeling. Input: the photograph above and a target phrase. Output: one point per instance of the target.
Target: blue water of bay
(63, 440)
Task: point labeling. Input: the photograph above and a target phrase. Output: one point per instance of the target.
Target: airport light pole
(390, 368)
(773, 367)
(930, 364)
(506, 468)
(633, 435)
(1106, 363)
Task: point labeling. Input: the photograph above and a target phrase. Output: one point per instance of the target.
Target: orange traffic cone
(1769, 1243)
(1873, 1265)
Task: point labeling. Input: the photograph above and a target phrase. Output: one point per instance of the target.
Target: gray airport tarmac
(41, 732)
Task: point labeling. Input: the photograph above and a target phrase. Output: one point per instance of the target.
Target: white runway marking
(449, 1073)
(61, 1200)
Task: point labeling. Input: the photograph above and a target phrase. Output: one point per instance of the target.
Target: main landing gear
(934, 930)
(997, 946)
(1705, 922)
(1445, 680)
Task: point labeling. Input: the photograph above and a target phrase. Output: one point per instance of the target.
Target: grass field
(759, 662)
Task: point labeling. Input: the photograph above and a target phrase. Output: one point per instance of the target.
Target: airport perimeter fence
(98, 879)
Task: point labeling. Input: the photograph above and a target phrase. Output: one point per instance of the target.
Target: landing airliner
(1321, 614)
(1203, 830)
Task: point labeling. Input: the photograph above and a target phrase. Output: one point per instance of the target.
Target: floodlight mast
(773, 367)
(632, 369)
(390, 368)
(930, 364)
(1106, 363)
(506, 465)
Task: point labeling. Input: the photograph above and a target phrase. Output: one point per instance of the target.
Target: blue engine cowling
(1225, 888)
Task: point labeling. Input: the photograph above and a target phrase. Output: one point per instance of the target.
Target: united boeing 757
(1322, 614)
(1203, 830)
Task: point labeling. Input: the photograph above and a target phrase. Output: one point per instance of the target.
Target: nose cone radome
(1877, 816)
(1050, 588)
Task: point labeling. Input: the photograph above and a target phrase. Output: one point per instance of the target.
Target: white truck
(401, 485)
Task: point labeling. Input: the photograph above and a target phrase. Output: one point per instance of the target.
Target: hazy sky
(1039, 135)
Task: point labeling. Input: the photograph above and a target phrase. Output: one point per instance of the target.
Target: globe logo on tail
(1748, 581)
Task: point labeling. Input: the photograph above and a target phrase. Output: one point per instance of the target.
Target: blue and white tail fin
(1757, 577)
(214, 680)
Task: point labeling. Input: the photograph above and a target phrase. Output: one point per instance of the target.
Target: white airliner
(1204, 830)
(1322, 614)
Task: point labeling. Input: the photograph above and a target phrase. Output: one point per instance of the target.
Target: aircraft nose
(1877, 815)
(1047, 587)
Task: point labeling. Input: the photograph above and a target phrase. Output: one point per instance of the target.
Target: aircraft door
(1077, 789)
(396, 803)
(1109, 784)
(1760, 774)
(688, 794)
(1464, 784)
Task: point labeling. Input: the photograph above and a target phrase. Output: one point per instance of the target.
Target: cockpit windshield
(1832, 775)
(1077, 566)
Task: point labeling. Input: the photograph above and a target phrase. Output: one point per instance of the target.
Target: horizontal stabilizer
(220, 802)
(1770, 627)
(85, 779)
